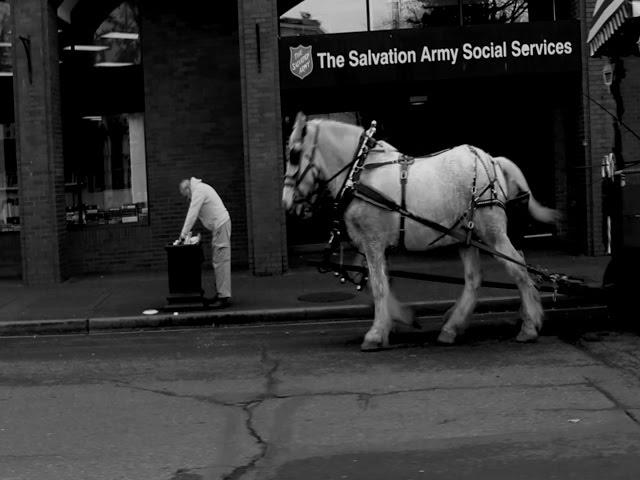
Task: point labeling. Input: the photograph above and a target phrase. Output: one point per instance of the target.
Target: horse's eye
(294, 155)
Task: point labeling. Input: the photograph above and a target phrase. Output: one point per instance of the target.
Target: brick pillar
(264, 165)
(39, 140)
(598, 138)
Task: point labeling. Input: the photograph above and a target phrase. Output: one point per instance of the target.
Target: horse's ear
(301, 119)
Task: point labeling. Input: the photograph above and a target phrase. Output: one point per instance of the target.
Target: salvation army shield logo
(301, 61)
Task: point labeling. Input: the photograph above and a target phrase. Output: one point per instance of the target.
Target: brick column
(258, 27)
(39, 140)
(598, 139)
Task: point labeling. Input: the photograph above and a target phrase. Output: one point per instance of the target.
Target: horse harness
(374, 197)
(353, 188)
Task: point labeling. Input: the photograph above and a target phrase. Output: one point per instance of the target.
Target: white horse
(439, 188)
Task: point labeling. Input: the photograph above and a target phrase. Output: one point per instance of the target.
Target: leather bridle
(294, 180)
(295, 158)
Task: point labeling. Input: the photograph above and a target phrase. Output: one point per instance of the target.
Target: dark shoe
(209, 300)
(221, 302)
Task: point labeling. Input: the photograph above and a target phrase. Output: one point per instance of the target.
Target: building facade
(106, 104)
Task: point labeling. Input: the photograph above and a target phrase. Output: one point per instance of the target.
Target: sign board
(429, 54)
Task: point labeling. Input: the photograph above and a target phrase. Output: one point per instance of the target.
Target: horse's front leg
(378, 335)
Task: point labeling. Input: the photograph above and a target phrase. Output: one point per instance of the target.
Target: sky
(336, 15)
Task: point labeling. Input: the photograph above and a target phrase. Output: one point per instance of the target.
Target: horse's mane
(356, 130)
(335, 123)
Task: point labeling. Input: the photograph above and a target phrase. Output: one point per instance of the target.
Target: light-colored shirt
(205, 205)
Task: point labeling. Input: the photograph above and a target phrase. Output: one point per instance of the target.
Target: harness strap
(371, 166)
(493, 200)
(367, 193)
(405, 162)
(365, 143)
(373, 196)
(447, 233)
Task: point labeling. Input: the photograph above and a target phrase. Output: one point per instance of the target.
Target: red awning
(608, 17)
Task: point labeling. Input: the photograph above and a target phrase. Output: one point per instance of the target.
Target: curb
(260, 316)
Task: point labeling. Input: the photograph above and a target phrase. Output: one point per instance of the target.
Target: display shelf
(9, 209)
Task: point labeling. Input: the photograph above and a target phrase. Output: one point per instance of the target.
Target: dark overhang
(611, 19)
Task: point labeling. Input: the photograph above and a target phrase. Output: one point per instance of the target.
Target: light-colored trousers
(221, 256)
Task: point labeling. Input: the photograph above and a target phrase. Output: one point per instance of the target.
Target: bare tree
(434, 12)
(123, 19)
(5, 35)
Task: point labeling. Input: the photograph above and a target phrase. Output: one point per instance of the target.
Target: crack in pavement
(272, 382)
(361, 395)
(186, 474)
(169, 393)
(364, 399)
(274, 365)
(618, 405)
(602, 359)
(238, 472)
(271, 368)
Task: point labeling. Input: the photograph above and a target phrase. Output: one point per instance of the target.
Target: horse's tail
(517, 185)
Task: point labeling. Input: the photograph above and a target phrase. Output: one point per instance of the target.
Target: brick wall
(193, 127)
(262, 134)
(630, 94)
(39, 142)
(597, 140)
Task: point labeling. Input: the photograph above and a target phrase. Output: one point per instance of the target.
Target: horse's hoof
(369, 346)
(527, 337)
(446, 338)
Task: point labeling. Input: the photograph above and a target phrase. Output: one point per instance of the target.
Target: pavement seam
(168, 393)
(361, 395)
(617, 404)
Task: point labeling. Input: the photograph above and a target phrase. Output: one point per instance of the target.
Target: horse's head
(305, 167)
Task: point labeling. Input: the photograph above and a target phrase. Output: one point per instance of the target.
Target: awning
(608, 17)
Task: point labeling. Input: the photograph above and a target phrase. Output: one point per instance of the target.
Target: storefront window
(495, 11)
(105, 159)
(106, 180)
(9, 204)
(313, 17)
(5, 39)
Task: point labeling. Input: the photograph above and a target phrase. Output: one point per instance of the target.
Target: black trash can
(184, 264)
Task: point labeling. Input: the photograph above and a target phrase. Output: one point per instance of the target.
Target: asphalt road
(292, 402)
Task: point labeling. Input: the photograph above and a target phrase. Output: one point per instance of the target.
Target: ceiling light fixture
(5, 44)
(6, 74)
(113, 64)
(86, 48)
(418, 99)
(121, 35)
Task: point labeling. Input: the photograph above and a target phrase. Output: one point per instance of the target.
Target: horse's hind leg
(457, 318)
(531, 309)
(378, 335)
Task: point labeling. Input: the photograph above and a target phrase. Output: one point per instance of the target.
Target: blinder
(295, 158)
(295, 151)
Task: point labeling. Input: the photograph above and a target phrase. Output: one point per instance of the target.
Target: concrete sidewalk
(91, 303)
